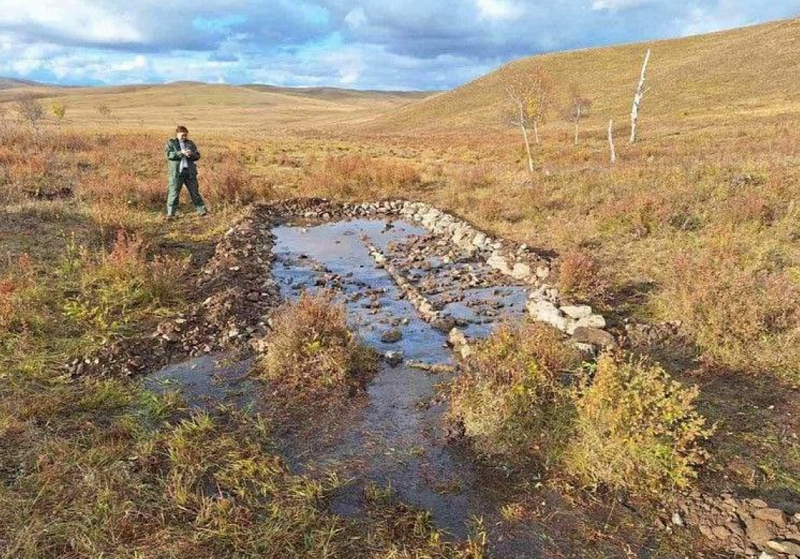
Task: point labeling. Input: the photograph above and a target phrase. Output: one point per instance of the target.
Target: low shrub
(311, 350)
(636, 429)
(511, 398)
(581, 277)
(358, 175)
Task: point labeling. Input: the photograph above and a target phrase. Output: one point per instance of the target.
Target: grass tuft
(310, 348)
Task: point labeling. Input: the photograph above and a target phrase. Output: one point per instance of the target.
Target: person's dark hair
(181, 129)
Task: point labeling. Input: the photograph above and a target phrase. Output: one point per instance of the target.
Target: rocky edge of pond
(236, 294)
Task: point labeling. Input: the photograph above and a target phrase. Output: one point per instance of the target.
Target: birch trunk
(611, 141)
(527, 147)
(536, 132)
(637, 98)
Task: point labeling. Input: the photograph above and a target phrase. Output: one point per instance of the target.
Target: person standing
(182, 154)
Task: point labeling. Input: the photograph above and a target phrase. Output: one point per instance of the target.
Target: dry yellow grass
(732, 72)
(699, 222)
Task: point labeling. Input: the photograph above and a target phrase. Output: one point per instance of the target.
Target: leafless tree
(30, 110)
(104, 110)
(578, 108)
(530, 96)
(638, 96)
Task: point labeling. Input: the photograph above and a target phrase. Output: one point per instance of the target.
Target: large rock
(547, 312)
(593, 336)
(577, 311)
(591, 321)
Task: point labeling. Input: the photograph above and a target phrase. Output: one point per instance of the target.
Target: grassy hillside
(752, 69)
(214, 106)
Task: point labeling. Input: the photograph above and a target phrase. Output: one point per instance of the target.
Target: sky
(369, 44)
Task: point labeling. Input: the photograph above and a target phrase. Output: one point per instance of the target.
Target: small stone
(765, 555)
(676, 519)
(593, 336)
(775, 516)
(521, 271)
(393, 358)
(232, 333)
(784, 546)
(391, 336)
(721, 532)
(706, 531)
(499, 263)
(758, 503)
(444, 323)
(542, 272)
(759, 531)
(456, 338)
(253, 297)
(479, 240)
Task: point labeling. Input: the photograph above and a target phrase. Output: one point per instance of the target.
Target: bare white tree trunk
(637, 98)
(577, 124)
(611, 141)
(527, 147)
(536, 131)
(525, 136)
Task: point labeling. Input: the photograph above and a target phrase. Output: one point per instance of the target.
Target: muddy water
(396, 436)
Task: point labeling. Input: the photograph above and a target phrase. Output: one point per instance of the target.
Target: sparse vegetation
(622, 424)
(310, 349)
(636, 429)
(698, 221)
(30, 110)
(512, 398)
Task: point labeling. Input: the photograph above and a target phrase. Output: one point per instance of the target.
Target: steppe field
(678, 439)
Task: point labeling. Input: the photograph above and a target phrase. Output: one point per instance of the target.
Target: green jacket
(173, 151)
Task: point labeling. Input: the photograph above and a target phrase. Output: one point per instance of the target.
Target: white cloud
(71, 19)
(618, 5)
(356, 18)
(495, 10)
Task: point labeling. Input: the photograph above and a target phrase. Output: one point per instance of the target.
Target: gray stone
(594, 336)
(499, 263)
(592, 321)
(444, 323)
(391, 336)
(479, 240)
(547, 312)
(542, 272)
(456, 338)
(393, 358)
(521, 271)
(577, 311)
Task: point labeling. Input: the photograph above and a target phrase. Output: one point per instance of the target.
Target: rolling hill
(752, 69)
(214, 106)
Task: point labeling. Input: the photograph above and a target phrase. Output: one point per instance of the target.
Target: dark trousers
(176, 182)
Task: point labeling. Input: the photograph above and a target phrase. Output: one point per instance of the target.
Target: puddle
(208, 381)
(396, 437)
